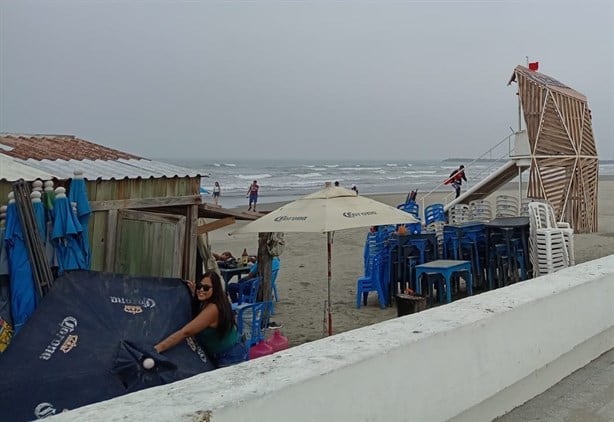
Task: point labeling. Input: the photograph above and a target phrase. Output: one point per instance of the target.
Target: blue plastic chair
(410, 207)
(274, 290)
(249, 294)
(371, 282)
(434, 213)
(252, 320)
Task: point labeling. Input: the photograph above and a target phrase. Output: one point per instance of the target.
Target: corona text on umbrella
(350, 214)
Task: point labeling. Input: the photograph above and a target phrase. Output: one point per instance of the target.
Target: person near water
(252, 194)
(216, 192)
(355, 189)
(456, 179)
(213, 327)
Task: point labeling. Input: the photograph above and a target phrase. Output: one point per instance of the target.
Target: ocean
(286, 180)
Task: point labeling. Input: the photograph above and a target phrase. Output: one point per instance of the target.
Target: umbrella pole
(329, 245)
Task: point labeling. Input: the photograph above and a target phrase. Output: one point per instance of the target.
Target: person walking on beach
(355, 189)
(456, 178)
(252, 194)
(216, 192)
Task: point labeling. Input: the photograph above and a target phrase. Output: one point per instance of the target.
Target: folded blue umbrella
(77, 193)
(24, 298)
(66, 235)
(6, 320)
(39, 217)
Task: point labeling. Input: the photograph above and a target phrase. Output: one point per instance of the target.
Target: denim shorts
(236, 354)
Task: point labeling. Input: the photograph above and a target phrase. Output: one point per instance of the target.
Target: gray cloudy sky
(356, 79)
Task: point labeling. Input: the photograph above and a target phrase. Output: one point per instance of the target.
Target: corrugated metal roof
(31, 157)
(544, 80)
(12, 170)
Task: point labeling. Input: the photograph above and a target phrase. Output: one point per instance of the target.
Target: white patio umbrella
(325, 211)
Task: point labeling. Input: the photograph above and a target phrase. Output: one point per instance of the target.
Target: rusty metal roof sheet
(60, 155)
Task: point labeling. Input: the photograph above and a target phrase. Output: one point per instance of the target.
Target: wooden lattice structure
(564, 163)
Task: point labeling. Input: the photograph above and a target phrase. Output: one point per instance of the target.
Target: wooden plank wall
(564, 162)
(103, 223)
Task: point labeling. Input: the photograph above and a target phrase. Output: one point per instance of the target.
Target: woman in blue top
(214, 326)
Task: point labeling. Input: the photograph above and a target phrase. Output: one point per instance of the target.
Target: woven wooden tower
(564, 164)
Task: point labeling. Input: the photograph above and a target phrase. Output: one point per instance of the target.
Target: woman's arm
(206, 318)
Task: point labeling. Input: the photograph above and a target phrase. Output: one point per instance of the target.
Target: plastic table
(447, 268)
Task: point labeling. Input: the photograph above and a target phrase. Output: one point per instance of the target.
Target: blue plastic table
(447, 268)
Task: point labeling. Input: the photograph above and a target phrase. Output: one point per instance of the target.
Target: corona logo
(197, 349)
(67, 326)
(290, 218)
(43, 410)
(145, 302)
(133, 309)
(349, 214)
(70, 343)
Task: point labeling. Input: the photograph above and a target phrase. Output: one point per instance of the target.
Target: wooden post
(264, 267)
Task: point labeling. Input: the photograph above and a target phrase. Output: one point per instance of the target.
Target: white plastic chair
(506, 206)
(551, 246)
(480, 210)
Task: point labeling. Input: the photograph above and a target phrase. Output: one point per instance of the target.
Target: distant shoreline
(278, 202)
(491, 160)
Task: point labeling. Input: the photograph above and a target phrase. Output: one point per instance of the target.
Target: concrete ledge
(473, 359)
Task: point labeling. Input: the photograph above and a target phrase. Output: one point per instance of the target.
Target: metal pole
(329, 244)
(519, 190)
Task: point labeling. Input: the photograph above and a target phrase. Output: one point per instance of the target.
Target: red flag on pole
(534, 66)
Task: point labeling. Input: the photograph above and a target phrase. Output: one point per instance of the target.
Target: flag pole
(329, 244)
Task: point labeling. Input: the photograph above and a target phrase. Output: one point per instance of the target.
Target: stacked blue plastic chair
(412, 208)
(434, 213)
(474, 239)
(376, 266)
(252, 320)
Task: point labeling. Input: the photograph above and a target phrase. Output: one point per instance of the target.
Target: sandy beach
(302, 277)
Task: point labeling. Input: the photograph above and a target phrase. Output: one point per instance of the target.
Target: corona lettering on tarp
(87, 341)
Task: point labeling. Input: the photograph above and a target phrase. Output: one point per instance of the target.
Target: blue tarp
(87, 340)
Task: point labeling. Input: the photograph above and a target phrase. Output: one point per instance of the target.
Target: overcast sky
(349, 79)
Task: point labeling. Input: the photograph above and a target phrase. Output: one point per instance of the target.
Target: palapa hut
(564, 163)
(144, 213)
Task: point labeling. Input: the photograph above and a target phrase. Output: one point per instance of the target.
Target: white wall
(470, 360)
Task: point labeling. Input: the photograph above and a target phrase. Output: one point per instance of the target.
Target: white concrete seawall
(471, 360)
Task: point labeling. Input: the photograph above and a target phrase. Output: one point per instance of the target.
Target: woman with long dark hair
(214, 327)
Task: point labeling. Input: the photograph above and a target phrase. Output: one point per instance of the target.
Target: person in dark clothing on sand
(457, 177)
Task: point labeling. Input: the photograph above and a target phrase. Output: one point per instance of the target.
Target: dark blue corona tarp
(87, 340)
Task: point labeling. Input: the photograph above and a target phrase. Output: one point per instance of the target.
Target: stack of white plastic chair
(565, 228)
(480, 210)
(524, 207)
(437, 227)
(548, 248)
(459, 213)
(506, 206)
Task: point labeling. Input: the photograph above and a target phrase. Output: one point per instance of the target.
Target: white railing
(494, 157)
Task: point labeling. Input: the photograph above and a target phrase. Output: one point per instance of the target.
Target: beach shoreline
(302, 277)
